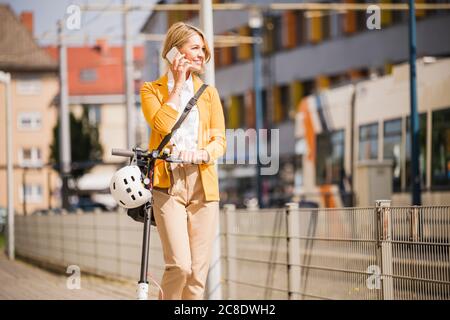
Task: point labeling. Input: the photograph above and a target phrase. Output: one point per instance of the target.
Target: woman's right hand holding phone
(179, 68)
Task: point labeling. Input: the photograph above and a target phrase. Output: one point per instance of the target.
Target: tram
(354, 144)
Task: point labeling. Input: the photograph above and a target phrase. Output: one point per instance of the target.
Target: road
(22, 281)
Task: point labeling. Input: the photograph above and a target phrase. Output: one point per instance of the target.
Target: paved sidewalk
(23, 281)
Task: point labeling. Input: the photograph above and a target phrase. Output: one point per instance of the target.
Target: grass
(2, 240)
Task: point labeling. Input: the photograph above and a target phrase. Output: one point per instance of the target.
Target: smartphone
(170, 56)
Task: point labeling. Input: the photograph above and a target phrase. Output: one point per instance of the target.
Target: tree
(86, 149)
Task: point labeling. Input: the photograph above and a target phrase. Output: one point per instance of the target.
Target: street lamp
(65, 156)
(255, 22)
(414, 118)
(255, 18)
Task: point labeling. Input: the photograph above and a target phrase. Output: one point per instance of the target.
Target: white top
(185, 138)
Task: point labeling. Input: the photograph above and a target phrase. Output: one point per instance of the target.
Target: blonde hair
(178, 34)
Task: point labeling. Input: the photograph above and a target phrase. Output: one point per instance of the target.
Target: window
(217, 61)
(289, 32)
(315, 27)
(330, 158)
(244, 49)
(285, 101)
(361, 20)
(335, 23)
(386, 15)
(277, 107)
(296, 93)
(176, 16)
(192, 14)
(278, 33)
(88, 75)
(349, 20)
(440, 155)
(392, 133)
(250, 107)
(30, 157)
(326, 24)
(368, 141)
(224, 103)
(226, 56)
(301, 28)
(420, 13)
(234, 50)
(265, 111)
(29, 120)
(436, 12)
(28, 86)
(399, 16)
(94, 114)
(230, 53)
(236, 112)
(422, 150)
(268, 45)
(33, 193)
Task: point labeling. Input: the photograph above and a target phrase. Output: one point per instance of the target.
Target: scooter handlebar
(130, 154)
(174, 160)
(122, 153)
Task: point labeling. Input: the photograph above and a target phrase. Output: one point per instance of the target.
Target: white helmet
(127, 188)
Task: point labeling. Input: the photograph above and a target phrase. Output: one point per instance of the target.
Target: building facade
(303, 53)
(34, 87)
(97, 88)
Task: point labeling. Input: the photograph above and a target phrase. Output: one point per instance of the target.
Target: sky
(93, 24)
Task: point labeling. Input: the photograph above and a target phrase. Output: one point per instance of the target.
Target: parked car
(88, 205)
(47, 211)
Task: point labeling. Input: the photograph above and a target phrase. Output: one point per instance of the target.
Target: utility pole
(255, 23)
(214, 287)
(24, 191)
(129, 77)
(206, 24)
(414, 117)
(352, 146)
(6, 79)
(65, 157)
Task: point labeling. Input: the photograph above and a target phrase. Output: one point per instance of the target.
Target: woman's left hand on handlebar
(197, 156)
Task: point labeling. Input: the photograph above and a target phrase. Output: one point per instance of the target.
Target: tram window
(422, 149)
(440, 156)
(399, 16)
(368, 141)
(392, 149)
(330, 158)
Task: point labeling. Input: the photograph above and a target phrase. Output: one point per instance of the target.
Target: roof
(147, 22)
(102, 70)
(18, 49)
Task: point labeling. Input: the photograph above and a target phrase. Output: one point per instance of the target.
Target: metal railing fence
(373, 253)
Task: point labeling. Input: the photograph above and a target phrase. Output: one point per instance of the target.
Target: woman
(186, 196)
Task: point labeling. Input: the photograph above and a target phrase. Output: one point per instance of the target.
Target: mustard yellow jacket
(211, 134)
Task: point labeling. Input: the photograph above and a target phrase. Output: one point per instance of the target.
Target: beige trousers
(187, 225)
